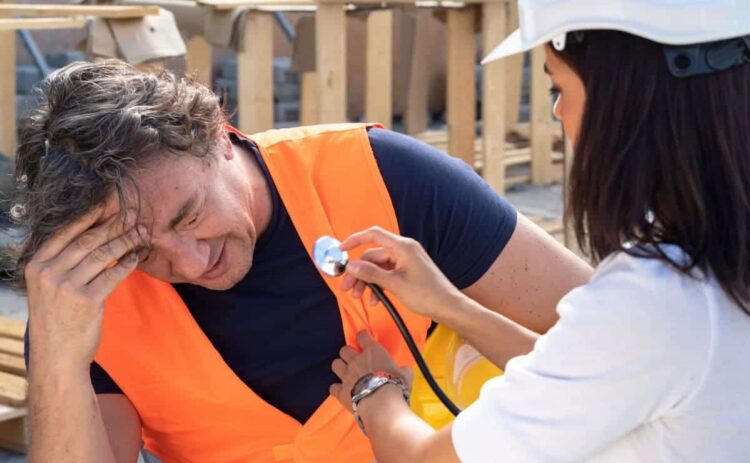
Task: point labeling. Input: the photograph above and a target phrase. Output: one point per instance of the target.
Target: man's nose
(189, 257)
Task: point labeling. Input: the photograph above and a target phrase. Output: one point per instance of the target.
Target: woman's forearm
(495, 336)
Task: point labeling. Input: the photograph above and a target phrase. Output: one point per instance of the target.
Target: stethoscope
(332, 261)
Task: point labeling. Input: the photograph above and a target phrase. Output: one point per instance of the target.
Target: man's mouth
(218, 266)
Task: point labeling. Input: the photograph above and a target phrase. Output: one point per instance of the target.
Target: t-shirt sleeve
(440, 201)
(621, 355)
(100, 380)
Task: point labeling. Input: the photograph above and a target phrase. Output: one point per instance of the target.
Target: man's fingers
(407, 374)
(339, 367)
(348, 353)
(85, 243)
(374, 235)
(63, 237)
(335, 389)
(103, 285)
(106, 255)
(366, 340)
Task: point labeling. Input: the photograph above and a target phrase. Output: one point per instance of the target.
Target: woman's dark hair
(661, 159)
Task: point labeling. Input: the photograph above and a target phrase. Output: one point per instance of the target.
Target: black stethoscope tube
(413, 348)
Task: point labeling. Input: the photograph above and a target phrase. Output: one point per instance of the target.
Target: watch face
(361, 384)
(376, 381)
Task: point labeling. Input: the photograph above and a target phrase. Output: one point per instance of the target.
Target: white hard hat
(672, 22)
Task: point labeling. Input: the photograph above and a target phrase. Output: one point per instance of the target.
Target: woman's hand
(352, 365)
(401, 266)
(68, 280)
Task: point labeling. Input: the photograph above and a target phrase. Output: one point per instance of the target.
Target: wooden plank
(10, 328)
(8, 97)
(255, 74)
(42, 23)
(12, 10)
(493, 96)
(198, 59)
(13, 435)
(308, 112)
(541, 120)
(12, 364)
(461, 82)
(379, 79)
(152, 67)
(514, 71)
(231, 4)
(330, 61)
(9, 413)
(420, 60)
(11, 346)
(12, 390)
(523, 130)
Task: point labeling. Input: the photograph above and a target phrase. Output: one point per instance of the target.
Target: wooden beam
(8, 98)
(417, 90)
(12, 364)
(308, 111)
(12, 390)
(231, 4)
(8, 413)
(10, 328)
(154, 66)
(330, 62)
(461, 82)
(198, 59)
(513, 70)
(42, 23)
(11, 346)
(10, 10)
(13, 434)
(494, 19)
(541, 120)
(379, 79)
(255, 74)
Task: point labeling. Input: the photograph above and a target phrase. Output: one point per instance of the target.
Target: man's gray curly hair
(94, 124)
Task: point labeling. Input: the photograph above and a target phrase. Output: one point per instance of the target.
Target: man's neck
(260, 192)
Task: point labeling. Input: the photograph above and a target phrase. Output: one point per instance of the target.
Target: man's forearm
(397, 435)
(65, 421)
(495, 336)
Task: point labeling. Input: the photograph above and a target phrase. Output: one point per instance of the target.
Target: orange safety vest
(192, 406)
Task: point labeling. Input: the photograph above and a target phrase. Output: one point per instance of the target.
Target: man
(219, 332)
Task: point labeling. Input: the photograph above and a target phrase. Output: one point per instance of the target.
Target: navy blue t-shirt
(279, 328)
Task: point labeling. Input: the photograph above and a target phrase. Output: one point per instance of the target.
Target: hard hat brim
(510, 46)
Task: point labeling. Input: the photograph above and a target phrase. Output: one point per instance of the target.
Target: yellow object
(459, 370)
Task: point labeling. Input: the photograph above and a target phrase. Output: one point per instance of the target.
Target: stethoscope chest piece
(329, 257)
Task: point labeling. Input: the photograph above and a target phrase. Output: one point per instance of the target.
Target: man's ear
(227, 145)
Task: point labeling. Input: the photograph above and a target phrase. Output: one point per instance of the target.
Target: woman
(648, 360)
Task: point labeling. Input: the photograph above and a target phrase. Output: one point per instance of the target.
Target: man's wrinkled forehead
(133, 209)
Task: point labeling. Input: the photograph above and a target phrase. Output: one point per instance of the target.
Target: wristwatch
(370, 383)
